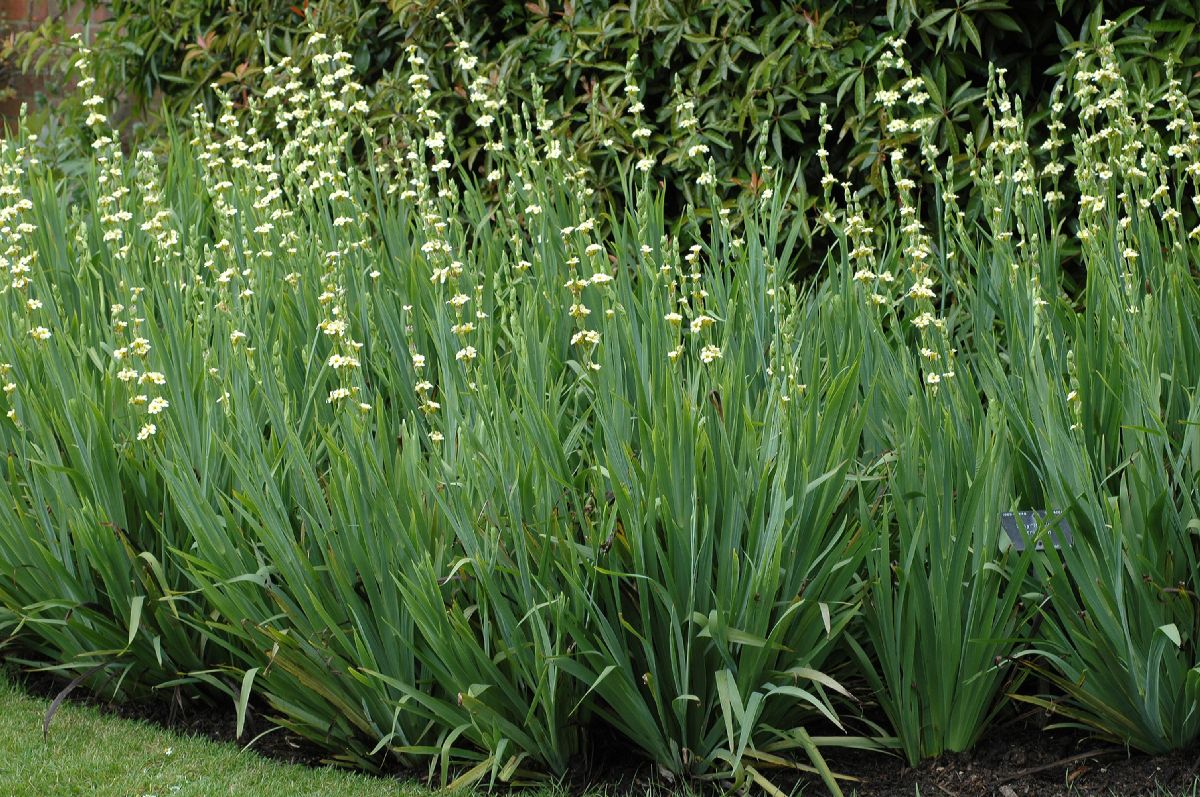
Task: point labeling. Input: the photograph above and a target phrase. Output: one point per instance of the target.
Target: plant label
(1021, 527)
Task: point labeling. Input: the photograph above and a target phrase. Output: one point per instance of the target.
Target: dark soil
(1018, 758)
(1022, 759)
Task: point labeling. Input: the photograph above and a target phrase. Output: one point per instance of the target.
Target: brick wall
(21, 15)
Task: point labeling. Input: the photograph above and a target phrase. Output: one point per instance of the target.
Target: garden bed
(1019, 757)
(1022, 759)
(443, 460)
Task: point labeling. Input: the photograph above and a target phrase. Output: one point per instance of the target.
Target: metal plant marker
(1021, 527)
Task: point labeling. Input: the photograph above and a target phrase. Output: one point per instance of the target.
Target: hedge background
(757, 71)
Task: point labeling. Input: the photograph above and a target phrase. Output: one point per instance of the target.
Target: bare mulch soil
(1022, 758)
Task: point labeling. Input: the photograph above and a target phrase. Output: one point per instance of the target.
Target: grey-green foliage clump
(461, 470)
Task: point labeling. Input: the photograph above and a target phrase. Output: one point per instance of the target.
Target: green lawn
(89, 753)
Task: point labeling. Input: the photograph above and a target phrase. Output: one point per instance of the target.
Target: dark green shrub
(756, 72)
